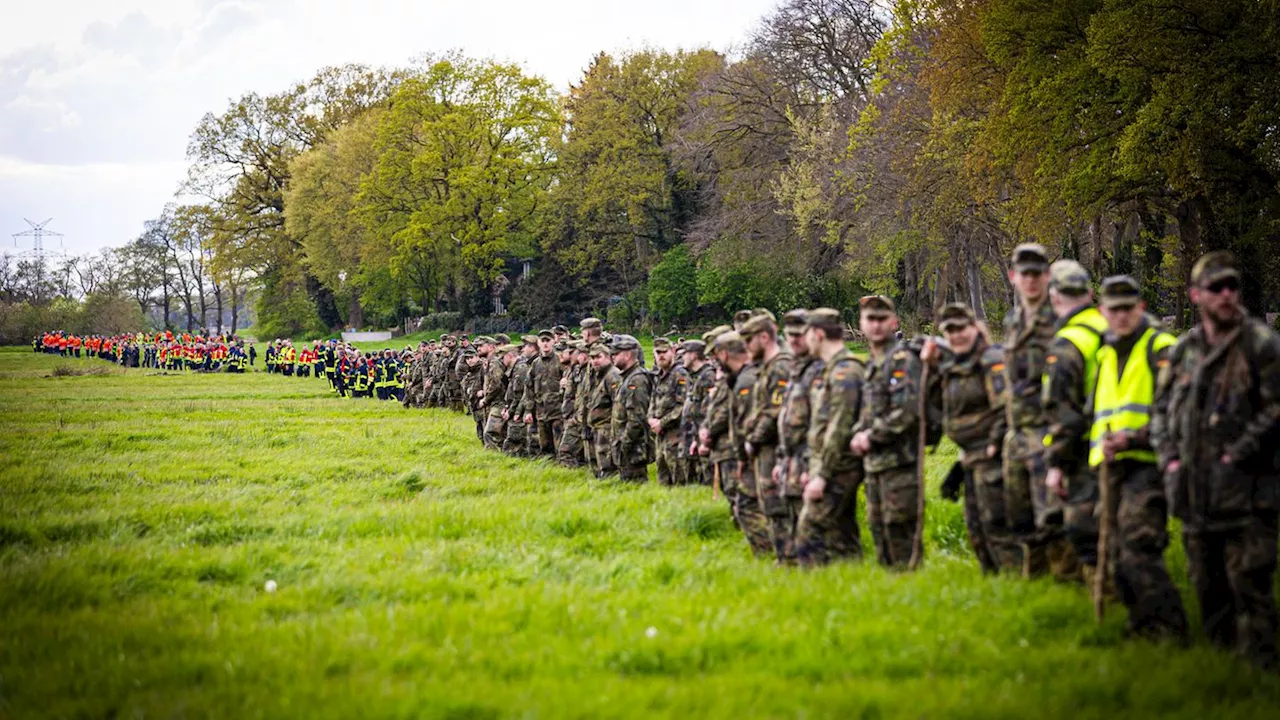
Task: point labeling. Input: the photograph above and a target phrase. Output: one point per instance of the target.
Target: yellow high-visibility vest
(1084, 330)
(1123, 402)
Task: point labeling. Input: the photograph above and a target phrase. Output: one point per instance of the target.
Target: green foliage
(673, 286)
(450, 321)
(425, 576)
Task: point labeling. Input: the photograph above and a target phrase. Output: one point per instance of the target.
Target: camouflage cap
(1030, 256)
(1214, 266)
(622, 343)
(578, 345)
(546, 334)
(1120, 291)
(560, 330)
(793, 321)
(756, 325)
(529, 339)
(740, 317)
(485, 340)
(661, 343)
(502, 338)
(876, 306)
(560, 346)
(508, 347)
(730, 342)
(955, 316)
(599, 349)
(825, 319)
(693, 346)
(756, 312)
(1069, 277)
(709, 337)
(588, 323)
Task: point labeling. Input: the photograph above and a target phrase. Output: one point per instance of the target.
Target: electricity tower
(37, 233)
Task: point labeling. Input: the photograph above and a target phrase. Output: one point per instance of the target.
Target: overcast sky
(99, 97)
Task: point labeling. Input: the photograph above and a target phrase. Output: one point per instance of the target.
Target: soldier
(740, 376)
(494, 395)
(702, 378)
(1035, 515)
(740, 318)
(760, 448)
(592, 330)
(666, 406)
(474, 361)
(1128, 360)
(713, 433)
(545, 422)
(1216, 431)
(1067, 389)
(632, 443)
(600, 408)
(887, 433)
(971, 374)
(569, 452)
(518, 403)
(827, 528)
(793, 423)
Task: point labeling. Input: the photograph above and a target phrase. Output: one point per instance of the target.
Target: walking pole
(1104, 536)
(917, 542)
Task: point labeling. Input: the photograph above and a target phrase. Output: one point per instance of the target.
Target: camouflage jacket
(1216, 400)
(629, 428)
(692, 415)
(716, 420)
(667, 404)
(600, 401)
(793, 419)
(835, 402)
(890, 409)
(544, 387)
(495, 386)
(1026, 346)
(741, 408)
(570, 377)
(772, 378)
(518, 402)
(1066, 398)
(973, 400)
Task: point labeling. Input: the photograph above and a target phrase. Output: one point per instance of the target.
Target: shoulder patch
(998, 367)
(899, 373)
(744, 391)
(900, 355)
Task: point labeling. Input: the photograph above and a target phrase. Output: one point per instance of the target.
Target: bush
(448, 321)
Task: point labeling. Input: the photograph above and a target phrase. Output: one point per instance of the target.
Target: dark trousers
(1232, 572)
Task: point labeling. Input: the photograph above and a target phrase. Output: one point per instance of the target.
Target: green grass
(420, 576)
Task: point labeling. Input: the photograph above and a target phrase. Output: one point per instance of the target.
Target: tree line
(846, 147)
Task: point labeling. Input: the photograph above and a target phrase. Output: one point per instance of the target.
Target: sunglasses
(1227, 283)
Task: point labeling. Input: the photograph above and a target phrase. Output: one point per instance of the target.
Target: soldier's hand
(929, 353)
(693, 448)
(704, 450)
(992, 450)
(1173, 467)
(1055, 481)
(1113, 444)
(861, 443)
(814, 488)
(1226, 459)
(506, 415)
(528, 418)
(777, 474)
(749, 449)
(704, 437)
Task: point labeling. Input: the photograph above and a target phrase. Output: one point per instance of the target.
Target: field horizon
(417, 575)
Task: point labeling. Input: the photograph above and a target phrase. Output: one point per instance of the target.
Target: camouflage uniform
(518, 405)
(600, 418)
(828, 529)
(472, 381)
(495, 393)
(890, 410)
(1224, 399)
(569, 449)
(629, 429)
(793, 438)
(761, 430)
(545, 398)
(1035, 517)
(692, 416)
(746, 500)
(973, 404)
(669, 390)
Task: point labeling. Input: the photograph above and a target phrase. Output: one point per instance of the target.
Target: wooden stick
(917, 542)
(1104, 537)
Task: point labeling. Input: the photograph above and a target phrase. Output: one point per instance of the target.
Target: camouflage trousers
(547, 436)
(671, 464)
(738, 482)
(1137, 555)
(601, 452)
(827, 529)
(517, 440)
(569, 450)
(1232, 572)
(984, 517)
(634, 473)
(698, 470)
(1080, 519)
(892, 509)
(1035, 514)
(495, 430)
(773, 503)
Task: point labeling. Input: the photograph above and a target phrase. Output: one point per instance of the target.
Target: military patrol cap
(876, 306)
(709, 337)
(955, 315)
(588, 323)
(1120, 291)
(693, 346)
(508, 348)
(1030, 256)
(756, 312)
(661, 343)
(1069, 277)
(599, 349)
(485, 340)
(529, 339)
(502, 338)
(1214, 266)
(560, 330)
(546, 334)
(740, 317)
(730, 342)
(756, 325)
(793, 321)
(623, 343)
(824, 319)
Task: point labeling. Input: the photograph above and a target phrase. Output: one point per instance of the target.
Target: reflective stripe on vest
(1123, 402)
(1084, 330)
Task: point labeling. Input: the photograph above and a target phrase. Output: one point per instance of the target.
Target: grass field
(420, 576)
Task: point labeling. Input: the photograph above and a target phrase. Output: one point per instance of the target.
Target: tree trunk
(235, 308)
(976, 301)
(355, 313)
